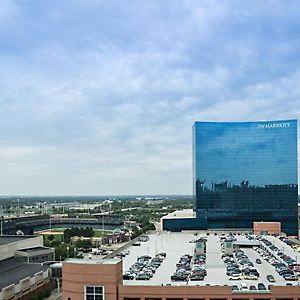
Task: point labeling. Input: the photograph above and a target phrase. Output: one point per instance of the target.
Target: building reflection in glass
(245, 172)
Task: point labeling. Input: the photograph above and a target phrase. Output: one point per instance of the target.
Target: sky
(99, 97)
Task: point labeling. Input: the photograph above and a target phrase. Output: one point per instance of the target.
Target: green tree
(64, 251)
(50, 237)
(86, 244)
(54, 243)
(75, 231)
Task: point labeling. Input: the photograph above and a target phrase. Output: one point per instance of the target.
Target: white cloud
(105, 105)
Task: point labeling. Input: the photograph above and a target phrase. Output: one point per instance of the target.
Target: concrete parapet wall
(8, 250)
(25, 286)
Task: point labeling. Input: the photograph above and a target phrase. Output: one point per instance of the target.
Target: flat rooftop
(11, 271)
(112, 261)
(180, 214)
(176, 244)
(7, 239)
(34, 249)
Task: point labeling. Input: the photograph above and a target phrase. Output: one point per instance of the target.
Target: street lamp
(58, 285)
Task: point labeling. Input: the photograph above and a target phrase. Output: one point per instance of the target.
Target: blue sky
(99, 97)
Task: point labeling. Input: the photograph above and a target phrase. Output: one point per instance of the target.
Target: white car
(234, 277)
(244, 287)
(250, 277)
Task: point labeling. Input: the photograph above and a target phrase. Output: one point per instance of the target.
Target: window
(233, 187)
(94, 292)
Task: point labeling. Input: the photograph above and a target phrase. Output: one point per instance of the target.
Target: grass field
(58, 233)
(99, 233)
(57, 229)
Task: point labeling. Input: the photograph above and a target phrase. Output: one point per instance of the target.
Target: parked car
(196, 278)
(244, 287)
(261, 287)
(143, 277)
(136, 244)
(271, 278)
(178, 277)
(234, 277)
(250, 277)
(291, 278)
(128, 277)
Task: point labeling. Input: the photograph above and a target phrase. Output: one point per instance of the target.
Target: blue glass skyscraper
(246, 172)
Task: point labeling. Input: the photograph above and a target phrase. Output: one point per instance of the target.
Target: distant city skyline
(99, 97)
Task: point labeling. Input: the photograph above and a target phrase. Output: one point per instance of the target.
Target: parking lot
(175, 245)
(283, 246)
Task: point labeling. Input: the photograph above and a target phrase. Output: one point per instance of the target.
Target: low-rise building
(21, 268)
(267, 228)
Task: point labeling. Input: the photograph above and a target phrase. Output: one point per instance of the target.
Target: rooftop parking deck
(177, 244)
(294, 253)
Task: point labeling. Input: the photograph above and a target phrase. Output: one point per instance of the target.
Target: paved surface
(13, 271)
(216, 272)
(55, 295)
(11, 239)
(177, 244)
(264, 269)
(285, 248)
(174, 244)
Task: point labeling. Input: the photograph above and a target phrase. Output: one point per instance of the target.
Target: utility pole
(18, 208)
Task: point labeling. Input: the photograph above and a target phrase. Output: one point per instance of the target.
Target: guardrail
(117, 251)
(128, 244)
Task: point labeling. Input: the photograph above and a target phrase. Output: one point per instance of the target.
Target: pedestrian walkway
(216, 272)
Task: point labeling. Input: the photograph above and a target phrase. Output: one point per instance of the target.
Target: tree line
(75, 231)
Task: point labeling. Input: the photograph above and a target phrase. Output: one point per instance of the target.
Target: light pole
(103, 224)
(58, 285)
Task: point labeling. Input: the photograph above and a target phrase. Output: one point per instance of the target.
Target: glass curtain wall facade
(246, 172)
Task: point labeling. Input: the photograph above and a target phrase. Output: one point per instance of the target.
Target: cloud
(101, 98)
